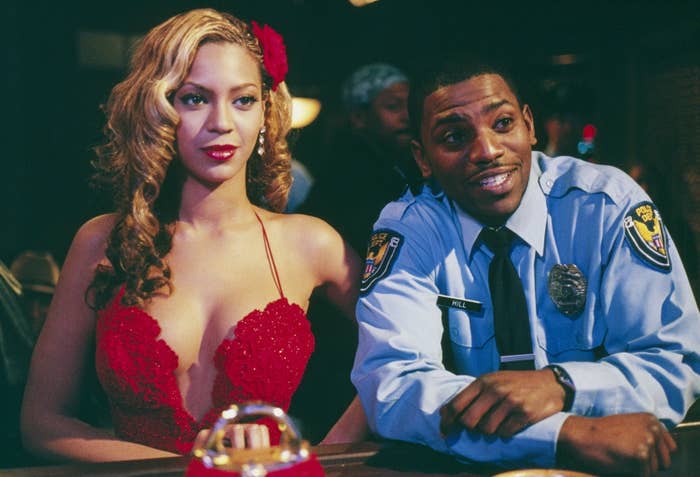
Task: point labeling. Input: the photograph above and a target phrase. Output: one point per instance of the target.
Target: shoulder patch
(382, 250)
(646, 234)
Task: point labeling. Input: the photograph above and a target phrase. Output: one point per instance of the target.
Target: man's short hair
(449, 72)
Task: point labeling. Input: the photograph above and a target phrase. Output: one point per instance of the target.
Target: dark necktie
(509, 307)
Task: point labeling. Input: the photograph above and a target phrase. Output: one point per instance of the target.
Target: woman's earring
(261, 142)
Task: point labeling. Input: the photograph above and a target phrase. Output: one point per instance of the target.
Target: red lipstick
(220, 152)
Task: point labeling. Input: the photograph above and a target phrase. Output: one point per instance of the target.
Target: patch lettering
(646, 234)
(382, 250)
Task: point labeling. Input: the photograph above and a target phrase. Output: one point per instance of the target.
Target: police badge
(567, 287)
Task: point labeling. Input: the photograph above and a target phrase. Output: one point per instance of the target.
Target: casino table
(367, 459)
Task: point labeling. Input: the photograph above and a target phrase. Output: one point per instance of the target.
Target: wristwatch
(565, 382)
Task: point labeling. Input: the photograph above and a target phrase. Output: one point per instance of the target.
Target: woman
(193, 294)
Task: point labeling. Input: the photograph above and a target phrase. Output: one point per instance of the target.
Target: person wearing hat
(16, 344)
(375, 97)
(37, 272)
(369, 162)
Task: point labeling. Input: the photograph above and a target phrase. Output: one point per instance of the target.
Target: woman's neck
(214, 206)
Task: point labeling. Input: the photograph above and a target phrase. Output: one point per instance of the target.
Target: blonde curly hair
(136, 162)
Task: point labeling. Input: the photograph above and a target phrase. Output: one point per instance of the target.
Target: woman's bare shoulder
(311, 231)
(101, 224)
(91, 238)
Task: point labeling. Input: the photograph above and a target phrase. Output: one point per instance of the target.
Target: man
(604, 298)
(369, 163)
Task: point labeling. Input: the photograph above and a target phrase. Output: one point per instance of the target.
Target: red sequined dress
(264, 360)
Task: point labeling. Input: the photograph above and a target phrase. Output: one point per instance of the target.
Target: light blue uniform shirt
(644, 317)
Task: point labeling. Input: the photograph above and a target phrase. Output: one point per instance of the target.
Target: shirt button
(549, 182)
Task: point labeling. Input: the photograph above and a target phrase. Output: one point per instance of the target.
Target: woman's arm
(63, 352)
(339, 274)
(350, 427)
(337, 267)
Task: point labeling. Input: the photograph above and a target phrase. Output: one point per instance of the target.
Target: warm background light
(361, 3)
(304, 111)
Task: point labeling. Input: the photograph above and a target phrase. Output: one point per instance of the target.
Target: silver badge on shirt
(567, 288)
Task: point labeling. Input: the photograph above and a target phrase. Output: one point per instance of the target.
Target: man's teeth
(494, 180)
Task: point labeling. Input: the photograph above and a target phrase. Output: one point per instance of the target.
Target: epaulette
(396, 210)
(562, 174)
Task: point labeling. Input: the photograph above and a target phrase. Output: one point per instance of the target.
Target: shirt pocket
(472, 341)
(469, 329)
(564, 338)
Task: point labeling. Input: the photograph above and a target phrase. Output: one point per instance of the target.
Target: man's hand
(635, 444)
(503, 402)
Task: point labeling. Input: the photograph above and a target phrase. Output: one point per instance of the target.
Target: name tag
(461, 303)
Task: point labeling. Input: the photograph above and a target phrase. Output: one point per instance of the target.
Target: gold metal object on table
(292, 450)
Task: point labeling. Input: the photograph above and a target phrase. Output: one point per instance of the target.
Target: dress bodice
(264, 360)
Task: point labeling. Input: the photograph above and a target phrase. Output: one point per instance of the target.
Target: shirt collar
(529, 221)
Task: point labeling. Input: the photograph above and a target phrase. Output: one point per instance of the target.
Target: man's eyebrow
(449, 119)
(494, 106)
(458, 118)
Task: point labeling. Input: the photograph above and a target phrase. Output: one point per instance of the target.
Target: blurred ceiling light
(304, 111)
(361, 3)
(565, 59)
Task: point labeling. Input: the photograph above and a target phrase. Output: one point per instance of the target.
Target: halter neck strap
(270, 258)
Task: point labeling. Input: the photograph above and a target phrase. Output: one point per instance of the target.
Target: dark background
(637, 77)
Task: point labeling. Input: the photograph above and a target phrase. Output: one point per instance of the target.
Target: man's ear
(358, 119)
(530, 124)
(420, 158)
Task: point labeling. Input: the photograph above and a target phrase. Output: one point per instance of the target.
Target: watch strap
(565, 382)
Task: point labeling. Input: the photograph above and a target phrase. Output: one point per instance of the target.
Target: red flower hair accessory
(274, 52)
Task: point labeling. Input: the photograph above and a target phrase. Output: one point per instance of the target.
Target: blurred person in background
(38, 273)
(16, 343)
(369, 162)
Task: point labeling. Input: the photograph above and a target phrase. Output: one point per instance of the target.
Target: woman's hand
(239, 436)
